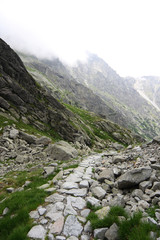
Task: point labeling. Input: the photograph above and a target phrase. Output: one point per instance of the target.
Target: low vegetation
(30, 129)
(16, 223)
(130, 227)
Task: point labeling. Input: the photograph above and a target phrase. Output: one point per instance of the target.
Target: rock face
(134, 177)
(31, 103)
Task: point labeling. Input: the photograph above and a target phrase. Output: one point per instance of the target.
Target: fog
(125, 33)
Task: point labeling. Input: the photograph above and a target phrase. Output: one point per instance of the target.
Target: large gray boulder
(61, 151)
(134, 177)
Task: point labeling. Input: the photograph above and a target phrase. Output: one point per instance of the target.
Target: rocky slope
(126, 177)
(22, 100)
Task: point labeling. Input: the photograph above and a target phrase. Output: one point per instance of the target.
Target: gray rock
(143, 204)
(106, 174)
(45, 141)
(98, 192)
(5, 211)
(22, 159)
(69, 210)
(93, 201)
(50, 236)
(84, 184)
(72, 238)
(117, 201)
(77, 202)
(134, 177)
(48, 171)
(112, 232)
(87, 227)
(44, 186)
(145, 184)
(85, 212)
(60, 238)
(42, 211)
(14, 133)
(72, 226)
(54, 216)
(119, 159)
(137, 193)
(57, 227)
(157, 214)
(37, 232)
(61, 151)
(55, 197)
(10, 190)
(34, 214)
(82, 192)
(85, 237)
(156, 186)
(69, 185)
(28, 138)
(100, 233)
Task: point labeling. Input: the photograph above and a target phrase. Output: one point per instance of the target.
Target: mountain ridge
(117, 99)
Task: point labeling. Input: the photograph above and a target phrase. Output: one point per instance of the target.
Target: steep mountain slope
(57, 80)
(119, 94)
(22, 100)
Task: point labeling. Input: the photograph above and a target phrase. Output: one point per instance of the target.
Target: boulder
(72, 226)
(99, 233)
(45, 141)
(112, 232)
(106, 174)
(28, 138)
(134, 177)
(98, 192)
(37, 232)
(61, 151)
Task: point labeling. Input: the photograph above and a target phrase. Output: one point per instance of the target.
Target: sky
(125, 33)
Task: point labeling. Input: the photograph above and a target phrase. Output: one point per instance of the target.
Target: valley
(79, 151)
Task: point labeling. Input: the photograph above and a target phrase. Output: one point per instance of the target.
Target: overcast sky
(125, 33)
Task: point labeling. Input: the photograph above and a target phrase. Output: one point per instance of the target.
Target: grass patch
(16, 224)
(17, 220)
(108, 220)
(134, 228)
(151, 211)
(71, 166)
(30, 129)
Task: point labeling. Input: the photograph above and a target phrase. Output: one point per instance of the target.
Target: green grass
(108, 220)
(134, 228)
(151, 211)
(19, 204)
(71, 166)
(130, 228)
(16, 224)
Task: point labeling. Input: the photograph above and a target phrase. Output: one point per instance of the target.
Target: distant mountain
(119, 94)
(95, 86)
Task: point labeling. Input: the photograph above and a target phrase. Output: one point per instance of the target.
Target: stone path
(64, 214)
